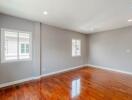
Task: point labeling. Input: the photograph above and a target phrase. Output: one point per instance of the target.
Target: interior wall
(56, 49)
(12, 71)
(111, 49)
(53, 50)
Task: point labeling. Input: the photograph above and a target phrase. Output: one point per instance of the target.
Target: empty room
(65, 50)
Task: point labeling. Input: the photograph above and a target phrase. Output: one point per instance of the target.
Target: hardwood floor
(80, 84)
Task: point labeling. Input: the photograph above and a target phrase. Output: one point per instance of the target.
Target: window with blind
(15, 45)
(76, 47)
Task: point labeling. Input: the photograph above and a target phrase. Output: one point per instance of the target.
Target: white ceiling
(85, 16)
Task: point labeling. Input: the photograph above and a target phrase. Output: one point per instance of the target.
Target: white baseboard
(111, 69)
(60, 71)
(33, 78)
(15, 82)
(64, 70)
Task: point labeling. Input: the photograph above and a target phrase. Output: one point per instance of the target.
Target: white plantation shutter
(76, 47)
(24, 42)
(10, 45)
(15, 45)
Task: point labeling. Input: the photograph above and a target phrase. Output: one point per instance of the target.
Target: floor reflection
(75, 87)
(80, 84)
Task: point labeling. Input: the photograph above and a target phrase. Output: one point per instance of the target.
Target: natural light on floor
(75, 87)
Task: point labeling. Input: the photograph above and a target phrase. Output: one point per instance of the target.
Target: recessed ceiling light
(129, 20)
(45, 12)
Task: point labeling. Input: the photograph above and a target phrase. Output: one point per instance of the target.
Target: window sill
(16, 61)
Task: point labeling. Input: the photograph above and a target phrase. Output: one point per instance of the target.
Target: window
(24, 48)
(15, 45)
(76, 47)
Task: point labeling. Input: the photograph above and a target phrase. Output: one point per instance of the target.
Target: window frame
(24, 48)
(80, 47)
(3, 60)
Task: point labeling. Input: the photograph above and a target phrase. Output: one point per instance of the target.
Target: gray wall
(52, 49)
(56, 49)
(112, 49)
(22, 69)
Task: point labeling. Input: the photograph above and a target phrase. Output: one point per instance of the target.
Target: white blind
(76, 47)
(15, 45)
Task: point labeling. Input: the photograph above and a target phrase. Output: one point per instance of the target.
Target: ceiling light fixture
(129, 20)
(45, 13)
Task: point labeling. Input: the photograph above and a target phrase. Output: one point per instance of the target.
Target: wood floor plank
(85, 83)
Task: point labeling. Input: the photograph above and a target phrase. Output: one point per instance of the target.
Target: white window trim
(80, 47)
(3, 44)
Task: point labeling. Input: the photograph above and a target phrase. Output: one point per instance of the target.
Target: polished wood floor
(80, 84)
